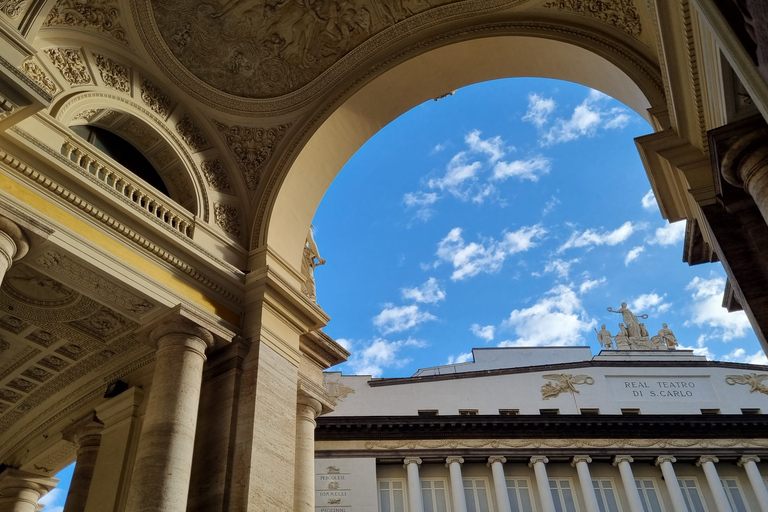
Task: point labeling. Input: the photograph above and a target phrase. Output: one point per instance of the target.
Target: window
(648, 495)
(605, 494)
(509, 412)
(630, 412)
(590, 411)
(391, 498)
(428, 412)
(468, 412)
(735, 498)
(476, 494)
(562, 495)
(750, 411)
(433, 496)
(549, 412)
(691, 494)
(519, 494)
(710, 411)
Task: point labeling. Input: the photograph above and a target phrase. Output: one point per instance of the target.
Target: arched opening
(123, 152)
(429, 75)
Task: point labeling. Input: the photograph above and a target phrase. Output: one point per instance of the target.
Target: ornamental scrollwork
(753, 380)
(101, 15)
(154, 98)
(252, 148)
(12, 8)
(115, 76)
(36, 73)
(215, 175)
(227, 218)
(191, 134)
(70, 64)
(622, 14)
(564, 383)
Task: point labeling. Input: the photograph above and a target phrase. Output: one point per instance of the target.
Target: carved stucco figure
(753, 380)
(565, 383)
(309, 261)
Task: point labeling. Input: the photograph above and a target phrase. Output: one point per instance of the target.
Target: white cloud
(550, 205)
(493, 147)
(589, 237)
(652, 302)
(558, 318)
(591, 283)
(397, 319)
(586, 119)
(529, 169)
(669, 234)
(421, 202)
(438, 148)
(485, 332)
(539, 109)
(461, 358)
(487, 256)
(707, 310)
(649, 201)
(740, 356)
(55, 498)
(560, 267)
(429, 292)
(633, 254)
(484, 192)
(458, 171)
(381, 353)
(344, 342)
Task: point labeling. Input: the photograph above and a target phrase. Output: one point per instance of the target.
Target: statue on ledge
(633, 334)
(311, 259)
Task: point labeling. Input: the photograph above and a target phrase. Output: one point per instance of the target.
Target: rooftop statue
(634, 335)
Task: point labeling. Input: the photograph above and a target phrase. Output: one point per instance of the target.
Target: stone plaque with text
(662, 389)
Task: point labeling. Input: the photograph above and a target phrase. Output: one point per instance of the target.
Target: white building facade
(545, 430)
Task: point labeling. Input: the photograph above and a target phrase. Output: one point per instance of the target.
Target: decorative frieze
(563, 383)
(154, 98)
(753, 380)
(227, 218)
(140, 133)
(252, 148)
(88, 114)
(12, 8)
(38, 374)
(36, 73)
(100, 15)
(215, 175)
(191, 134)
(622, 14)
(70, 64)
(113, 74)
(22, 385)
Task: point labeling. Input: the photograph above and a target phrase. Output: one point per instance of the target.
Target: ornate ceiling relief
(622, 14)
(12, 8)
(227, 218)
(139, 133)
(36, 73)
(115, 76)
(259, 49)
(101, 15)
(191, 134)
(215, 175)
(70, 64)
(252, 148)
(88, 114)
(155, 99)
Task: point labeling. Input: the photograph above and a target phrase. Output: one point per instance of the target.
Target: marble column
(457, 483)
(673, 487)
(20, 490)
(628, 479)
(162, 469)
(14, 245)
(707, 463)
(307, 409)
(538, 463)
(744, 164)
(415, 503)
(496, 462)
(581, 463)
(86, 434)
(749, 463)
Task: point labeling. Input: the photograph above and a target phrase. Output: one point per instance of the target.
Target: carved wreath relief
(261, 49)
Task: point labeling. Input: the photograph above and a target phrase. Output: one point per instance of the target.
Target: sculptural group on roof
(633, 334)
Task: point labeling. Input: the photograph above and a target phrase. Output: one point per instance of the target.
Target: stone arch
(151, 136)
(429, 70)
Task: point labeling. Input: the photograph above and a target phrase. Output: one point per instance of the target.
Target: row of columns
(581, 463)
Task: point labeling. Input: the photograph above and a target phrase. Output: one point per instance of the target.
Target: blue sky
(54, 500)
(513, 213)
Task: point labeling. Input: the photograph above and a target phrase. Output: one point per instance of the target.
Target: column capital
(664, 458)
(452, 459)
(12, 478)
(496, 458)
(580, 458)
(186, 321)
(622, 458)
(706, 458)
(537, 458)
(747, 458)
(86, 430)
(411, 460)
(19, 238)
